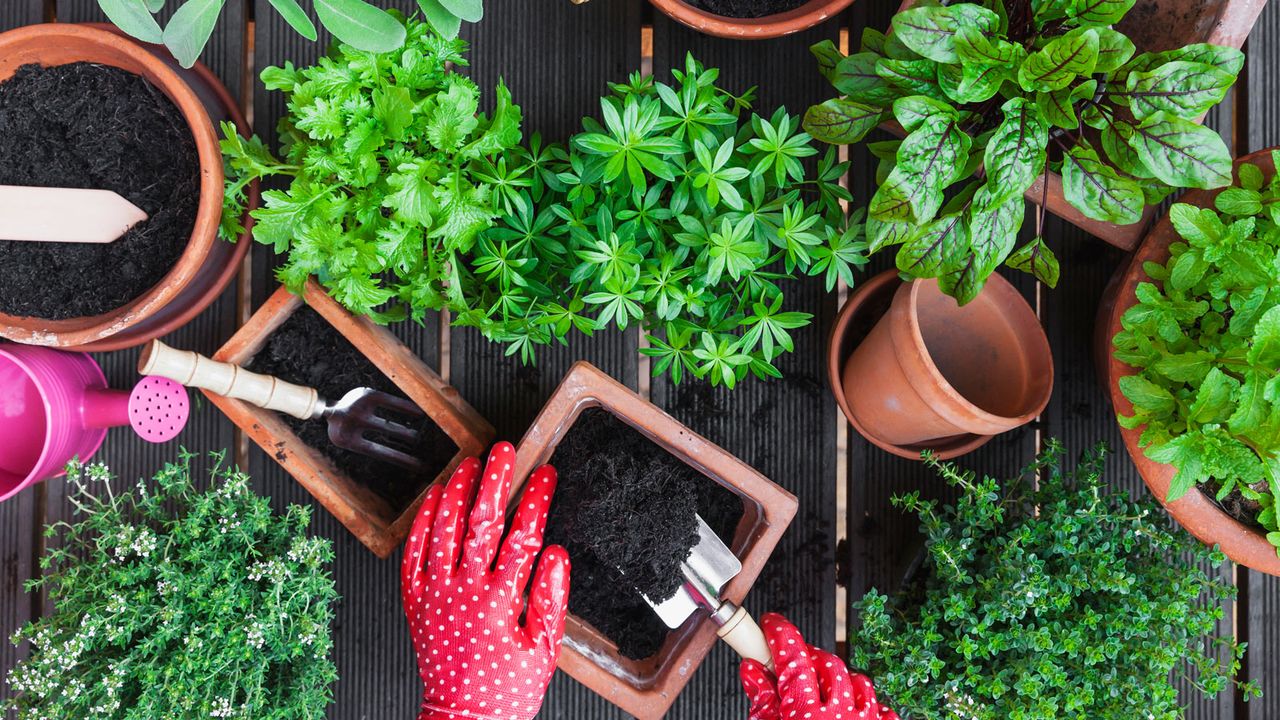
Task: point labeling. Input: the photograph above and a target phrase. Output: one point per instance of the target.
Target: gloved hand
(477, 661)
(811, 684)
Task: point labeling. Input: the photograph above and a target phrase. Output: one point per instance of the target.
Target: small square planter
(647, 688)
(370, 518)
(1154, 26)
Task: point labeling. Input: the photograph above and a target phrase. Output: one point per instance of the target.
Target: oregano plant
(992, 95)
(1050, 595)
(1204, 337)
(675, 210)
(358, 23)
(170, 601)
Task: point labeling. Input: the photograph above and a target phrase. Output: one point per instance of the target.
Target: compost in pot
(625, 510)
(83, 125)
(307, 350)
(746, 8)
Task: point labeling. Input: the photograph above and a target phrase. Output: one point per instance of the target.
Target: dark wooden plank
(16, 13)
(786, 429)
(1259, 129)
(21, 517)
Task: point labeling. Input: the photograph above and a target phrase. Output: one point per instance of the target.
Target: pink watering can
(55, 406)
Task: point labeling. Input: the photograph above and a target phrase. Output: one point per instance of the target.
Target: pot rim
(72, 332)
(963, 411)
(811, 13)
(1195, 511)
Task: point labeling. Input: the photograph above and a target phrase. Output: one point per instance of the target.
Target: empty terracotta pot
(207, 264)
(932, 374)
(1195, 511)
(770, 26)
(647, 688)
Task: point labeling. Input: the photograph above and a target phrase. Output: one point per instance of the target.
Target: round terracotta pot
(931, 374)
(804, 17)
(1195, 511)
(207, 264)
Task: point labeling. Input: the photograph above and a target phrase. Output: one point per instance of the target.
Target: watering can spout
(105, 408)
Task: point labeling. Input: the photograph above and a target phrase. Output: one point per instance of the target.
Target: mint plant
(175, 602)
(357, 23)
(674, 211)
(1050, 595)
(993, 95)
(1204, 337)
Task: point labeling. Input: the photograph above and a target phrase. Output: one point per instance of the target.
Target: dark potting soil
(622, 502)
(90, 126)
(307, 350)
(746, 8)
(1237, 505)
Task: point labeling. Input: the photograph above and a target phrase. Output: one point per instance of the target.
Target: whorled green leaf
(839, 121)
(361, 25)
(1180, 88)
(1037, 259)
(1015, 154)
(1182, 153)
(940, 244)
(1060, 61)
(1095, 189)
(134, 17)
(930, 30)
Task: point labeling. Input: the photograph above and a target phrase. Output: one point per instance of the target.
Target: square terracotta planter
(647, 688)
(370, 518)
(1154, 26)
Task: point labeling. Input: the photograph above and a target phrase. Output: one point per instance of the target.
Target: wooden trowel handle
(228, 380)
(743, 635)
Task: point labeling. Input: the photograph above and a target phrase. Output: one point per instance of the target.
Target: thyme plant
(172, 602)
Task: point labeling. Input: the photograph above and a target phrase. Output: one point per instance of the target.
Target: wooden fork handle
(228, 380)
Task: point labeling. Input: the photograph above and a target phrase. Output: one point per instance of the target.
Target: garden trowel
(68, 215)
(709, 567)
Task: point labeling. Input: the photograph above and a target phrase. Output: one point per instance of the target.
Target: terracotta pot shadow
(919, 372)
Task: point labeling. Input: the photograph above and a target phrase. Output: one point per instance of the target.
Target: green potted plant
(1196, 328)
(358, 23)
(1044, 98)
(1050, 595)
(672, 211)
(174, 602)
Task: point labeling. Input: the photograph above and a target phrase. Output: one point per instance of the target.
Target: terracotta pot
(647, 688)
(370, 518)
(1153, 25)
(804, 17)
(1195, 511)
(931, 374)
(207, 264)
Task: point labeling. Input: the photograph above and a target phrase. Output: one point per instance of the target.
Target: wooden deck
(557, 58)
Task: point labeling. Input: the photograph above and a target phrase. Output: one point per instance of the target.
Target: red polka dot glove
(464, 596)
(811, 684)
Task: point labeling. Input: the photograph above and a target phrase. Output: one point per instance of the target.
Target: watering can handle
(228, 380)
(742, 634)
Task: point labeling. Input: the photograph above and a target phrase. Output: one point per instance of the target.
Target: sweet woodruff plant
(675, 209)
(992, 96)
(175, 602)
(1205, 340)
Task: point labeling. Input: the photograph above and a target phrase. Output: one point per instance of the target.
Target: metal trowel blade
(710, 566)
